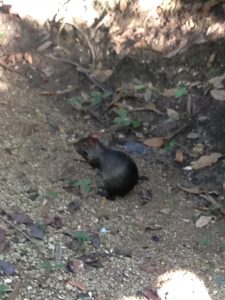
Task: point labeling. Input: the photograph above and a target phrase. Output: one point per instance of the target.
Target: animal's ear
(94, 138)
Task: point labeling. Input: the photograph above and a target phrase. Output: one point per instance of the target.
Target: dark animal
(119, 171)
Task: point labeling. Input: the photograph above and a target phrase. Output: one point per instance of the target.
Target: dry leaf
(203, 221)
(151, 106)
(78, 284)
(211, 60)
(147, 95)
(189, 105)
(102, 75)
(193, 190)
(179, 156)
(44, 46)
(169, 92)
(218, 94)
(28, 58)
(172, 114)
(217, 81)
(156, 142)
(123, 5)
(182, 46)
(206, 161)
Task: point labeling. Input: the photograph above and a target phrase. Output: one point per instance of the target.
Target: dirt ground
(153, 229)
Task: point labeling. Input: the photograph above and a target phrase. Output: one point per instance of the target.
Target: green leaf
(77, 102)
(135, 124)
(84, 184)
(169, 146)
(205, 242)
(72, 182)
(122, 121)
(82, 236)
(96, 98)
(4, 288)
(122, 112)
(51, 195)
(58, 266)
(181, 91)
(46, 265)
(107, 95)
(140, 87)
(223, 245)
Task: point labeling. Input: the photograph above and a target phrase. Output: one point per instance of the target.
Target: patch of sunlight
(42, 10)
(178, 285)
(181, 285)
(3, 86)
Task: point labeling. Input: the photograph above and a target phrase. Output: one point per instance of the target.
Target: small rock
(193, 135)
(165, 211)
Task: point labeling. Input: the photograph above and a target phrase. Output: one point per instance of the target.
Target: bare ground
(142, 239)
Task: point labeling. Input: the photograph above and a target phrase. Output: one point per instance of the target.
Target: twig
(84, 35)
(214, 203)
(94, 115)
(24, 234)
(145, 109)
(56, 93)
(79, 69)
(175, 133)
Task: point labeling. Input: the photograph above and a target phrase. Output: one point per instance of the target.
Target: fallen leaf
(181, 48)
(70, 266)
(122, 252)
(165, 211)
(198, 149)
(56, 222)
(44, 46)
(2, 235)
(102, 75)
(203, 221)
(218, 94)
(92, 260)
(193, 135)
(172, 114)
(179, 156)
(206, 161)
(156, 142)
(211, 60)
(181, 91)
(28, 58)
(95, 240)
(73, 206)
(78, 284)
(193, 190)
(148, 95)
(37, 232)
(150, 106)
(7, 268)
(217, 81)
(150, 294)
(21, 218)
(169, 92)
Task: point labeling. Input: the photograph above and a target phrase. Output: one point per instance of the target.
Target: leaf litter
(141, 92)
